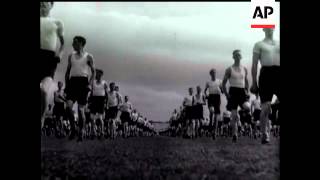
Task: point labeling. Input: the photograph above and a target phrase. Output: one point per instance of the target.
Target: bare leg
(264, 121)
(44, 105)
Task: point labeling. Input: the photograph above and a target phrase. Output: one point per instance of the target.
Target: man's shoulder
(229, 68)
(259, 43)
(57, 21)
(89, 55)
(244, 67)
(71, 54)
(104, 82)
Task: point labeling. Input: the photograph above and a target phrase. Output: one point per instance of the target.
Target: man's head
(268, 32)
(237, 55)
(126, 98)
(116, 88)
(78, 43)
(190, 90)
(60, 85)
(99, 74)
(112, 86)
(212, 73)
(198, 89)
(45, 8)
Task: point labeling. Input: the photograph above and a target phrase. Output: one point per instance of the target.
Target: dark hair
(51, 3)
(212, 71)
(99, 71)
(112, 83)
(81, 39)
(236, 51)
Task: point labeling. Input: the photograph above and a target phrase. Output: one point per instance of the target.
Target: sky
(155, 50)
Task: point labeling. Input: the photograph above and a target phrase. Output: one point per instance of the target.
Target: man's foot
(92, 137)
(80, 138)
(234, 138)
(265, 139)
(214, 136)
(72, 136)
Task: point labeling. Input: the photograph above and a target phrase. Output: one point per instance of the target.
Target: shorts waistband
(79, 77)
(268, 68)
(47, 52)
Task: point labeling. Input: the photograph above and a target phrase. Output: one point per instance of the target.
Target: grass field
(160, 158)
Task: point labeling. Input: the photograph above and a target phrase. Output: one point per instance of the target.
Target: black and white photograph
(158, 90)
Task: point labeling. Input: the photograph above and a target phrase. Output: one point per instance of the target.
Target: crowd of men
(239, 117)
(106, 115)
(101, 110)
(248, 123)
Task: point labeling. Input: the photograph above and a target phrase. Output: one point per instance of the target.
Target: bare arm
(222, 91)
(252, 107)
(246, 80)
(206, 89)
(106, 87)
(204, 100)
(184, 102)
(255, 60)
(67, 75)
(56, 96)
(224, 82)
(60, 33)
(92, 68)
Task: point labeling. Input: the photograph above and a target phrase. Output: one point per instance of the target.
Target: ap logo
(263, 13)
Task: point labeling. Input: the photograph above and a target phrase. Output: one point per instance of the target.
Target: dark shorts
(175, 123)
(88, 118)
(77, 90)
(189, 112)
(226, 120)
(198, 111)
(112, 112)
(59, 109)
(273, 115)
(245, 117)
(49, 122)
(278, 119)
(269, 83)
(125, 117)
(48, 64)
(140, 125)
(237, 98)
(248, 119)
(256, 114)
(214, 100)
(97, 104)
